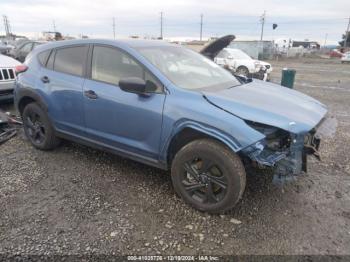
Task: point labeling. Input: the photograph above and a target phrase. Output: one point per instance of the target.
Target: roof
(132, 43)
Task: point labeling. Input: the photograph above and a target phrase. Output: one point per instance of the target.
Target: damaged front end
(286, 152)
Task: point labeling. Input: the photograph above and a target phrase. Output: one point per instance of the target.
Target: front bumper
(292, 160)
(262, 74)
(6, 90)
(7, 85)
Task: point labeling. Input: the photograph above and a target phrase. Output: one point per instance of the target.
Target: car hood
(6, 61)
(263, 63)
(270, 104)
(212, 49)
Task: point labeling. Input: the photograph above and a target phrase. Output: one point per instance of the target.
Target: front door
(125, 121)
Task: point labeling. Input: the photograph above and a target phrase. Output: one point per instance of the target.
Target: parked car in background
(20, 52)
(5, 48)
(7, 76)
(235, 60)
(335, 53)
(241, 63)
(345, 58)
(170, 107)
(18, 42)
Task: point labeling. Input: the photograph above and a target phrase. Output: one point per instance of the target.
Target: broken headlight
(276, 138)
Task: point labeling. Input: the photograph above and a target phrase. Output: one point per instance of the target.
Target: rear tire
(38, 127)
(208, 176)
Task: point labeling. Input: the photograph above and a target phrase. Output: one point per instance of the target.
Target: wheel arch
(189, 132)
(26, 96)
(243, 66)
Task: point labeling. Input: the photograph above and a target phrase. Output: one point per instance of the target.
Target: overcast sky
(298, 19)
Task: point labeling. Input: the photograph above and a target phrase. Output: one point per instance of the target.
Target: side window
(42, 57)
(71, 60)
(110, 65)
(27, 48)
(51, 59)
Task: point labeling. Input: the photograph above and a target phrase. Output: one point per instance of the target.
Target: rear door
(125, 121)
(62, 77)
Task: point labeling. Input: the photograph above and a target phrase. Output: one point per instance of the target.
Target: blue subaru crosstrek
(167, 106)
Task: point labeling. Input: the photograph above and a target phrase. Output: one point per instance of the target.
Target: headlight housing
(276, 138)
(257, 65)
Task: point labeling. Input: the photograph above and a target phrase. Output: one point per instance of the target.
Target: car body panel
(8, 62)
(197, 113)
(107, 118)
(66, 107)
(345, 57)
(270, 104)
(7, 76)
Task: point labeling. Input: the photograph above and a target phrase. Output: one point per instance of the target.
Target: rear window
(42, 57)
(71, 60)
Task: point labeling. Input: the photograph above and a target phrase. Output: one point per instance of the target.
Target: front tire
(243, 71)
(38, 128)
(208, 176)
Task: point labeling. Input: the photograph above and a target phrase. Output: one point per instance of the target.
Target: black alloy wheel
(208, 175)
(38, 128)
(203, 180)
(35, 129)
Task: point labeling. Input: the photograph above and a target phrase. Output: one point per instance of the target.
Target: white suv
(241, 63)
(7, 76)
(345, 58)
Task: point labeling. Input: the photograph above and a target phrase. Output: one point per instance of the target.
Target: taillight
(20, 69)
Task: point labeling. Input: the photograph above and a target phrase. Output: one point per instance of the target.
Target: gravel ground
(76, 200)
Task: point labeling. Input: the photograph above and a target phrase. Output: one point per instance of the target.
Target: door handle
(45, 79)
(90, 94)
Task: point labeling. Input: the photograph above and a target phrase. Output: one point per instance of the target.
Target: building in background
(256, 49)
(306, 44)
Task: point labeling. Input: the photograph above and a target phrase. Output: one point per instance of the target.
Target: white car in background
(345, 58)
(242, 64)
(7, 76)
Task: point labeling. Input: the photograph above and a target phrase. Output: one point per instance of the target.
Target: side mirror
(137, 85)
(133, 85)
(243, 79)
(230, 57)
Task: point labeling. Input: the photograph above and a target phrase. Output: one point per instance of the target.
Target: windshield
(188, 69)
(238, 54)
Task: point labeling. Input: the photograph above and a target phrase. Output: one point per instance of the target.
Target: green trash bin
(288, 76)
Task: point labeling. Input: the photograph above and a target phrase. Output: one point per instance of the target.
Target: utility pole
(262, 20)
(325, 40)
(161, 25)
(113, 28)
(7, 26)
(54, 25)
(201, 30)
(346, 34)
